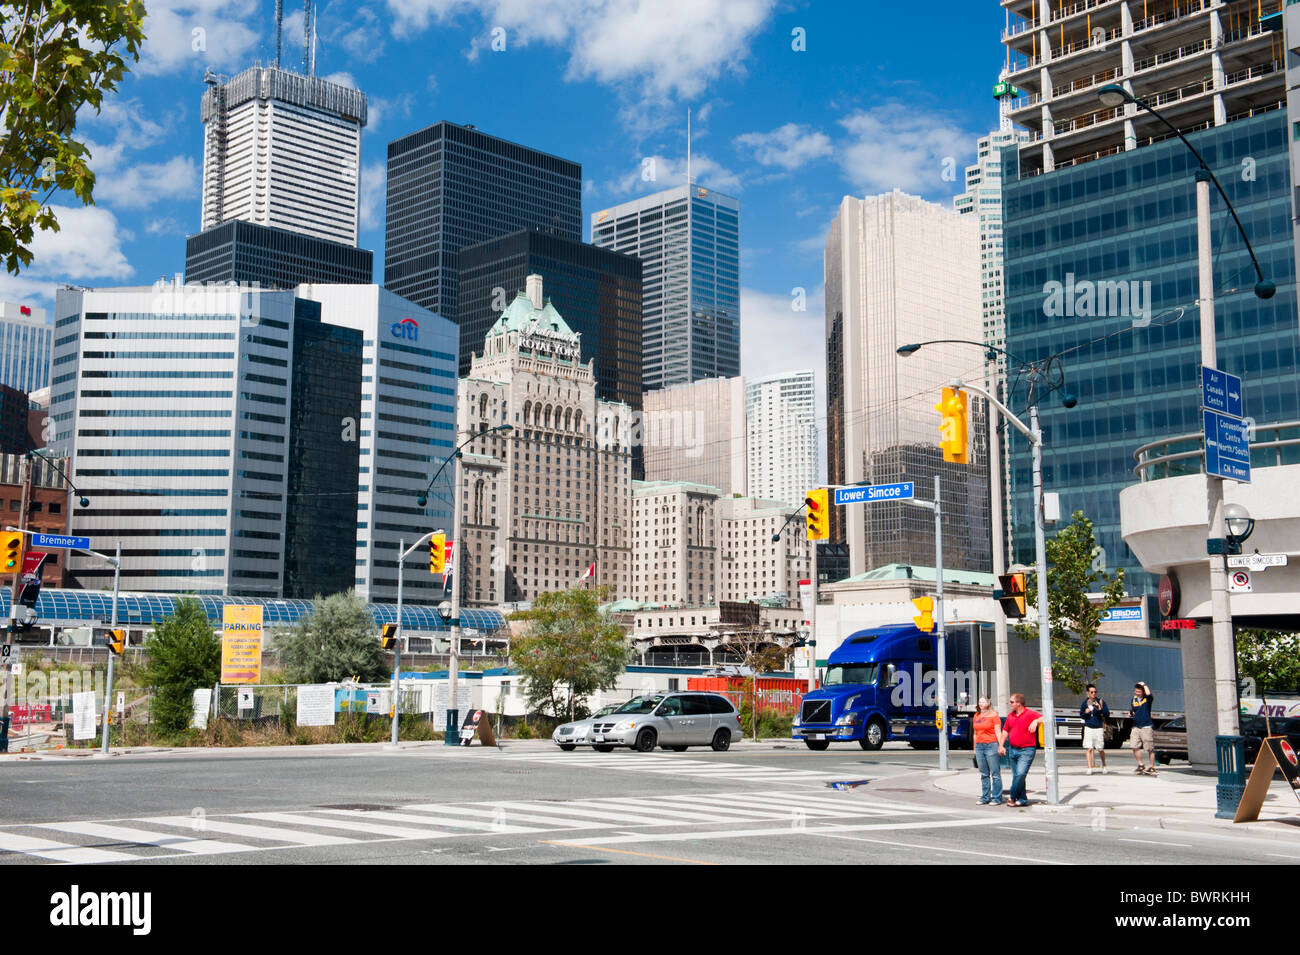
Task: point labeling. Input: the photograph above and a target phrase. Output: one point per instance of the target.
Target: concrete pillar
(1198, 694)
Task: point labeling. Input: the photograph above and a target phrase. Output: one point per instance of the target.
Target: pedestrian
(986, 726)
(1095, 712)
(1018, 739)
(1143, 736)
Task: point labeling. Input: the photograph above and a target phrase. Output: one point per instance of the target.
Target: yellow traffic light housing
(388, 636)
(116, 641)
(1012, 597)
(952, 427)
(438, 554)
(818, 514)
(925, 606)
(11, 546)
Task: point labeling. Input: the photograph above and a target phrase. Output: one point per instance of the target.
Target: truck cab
(880, 684)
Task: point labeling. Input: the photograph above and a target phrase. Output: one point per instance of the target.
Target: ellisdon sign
(1122, 613)
(407, 328)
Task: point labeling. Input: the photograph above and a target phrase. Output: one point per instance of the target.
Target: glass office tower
(1130, 218)
(266, 257)
(451, 186)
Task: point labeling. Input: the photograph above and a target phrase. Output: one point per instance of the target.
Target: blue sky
(880, 97)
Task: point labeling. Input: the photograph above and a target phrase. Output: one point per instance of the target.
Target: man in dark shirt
(1094, 713)
(1144, 733)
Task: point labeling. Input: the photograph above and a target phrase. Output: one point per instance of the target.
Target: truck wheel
(817, 744)
(873, 737)
(646, 740)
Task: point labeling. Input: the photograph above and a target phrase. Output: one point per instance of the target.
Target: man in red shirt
(1019, 737)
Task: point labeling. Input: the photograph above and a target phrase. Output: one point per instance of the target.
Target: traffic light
(12, 546)
(116, 641)
(952, 429)
(925, 605)
(437, 553)
(388, 636)
(1012, 595)
(819, 516)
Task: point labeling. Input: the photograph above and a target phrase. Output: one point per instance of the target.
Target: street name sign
(875, 492)
(56, 540)
(1227, 447)
(1258, 561)
(1221, 392)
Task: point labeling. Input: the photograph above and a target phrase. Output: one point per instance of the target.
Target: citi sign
(407, 328)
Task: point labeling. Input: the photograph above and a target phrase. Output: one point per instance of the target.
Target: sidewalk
(1176, 798)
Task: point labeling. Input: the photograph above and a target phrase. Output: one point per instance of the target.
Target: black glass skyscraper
(452, 186)
(598, 292)
(238, 251)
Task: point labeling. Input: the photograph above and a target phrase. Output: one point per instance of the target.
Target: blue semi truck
(882, 684)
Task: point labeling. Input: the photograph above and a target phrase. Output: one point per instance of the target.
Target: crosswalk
(679, 767)
(168, 836)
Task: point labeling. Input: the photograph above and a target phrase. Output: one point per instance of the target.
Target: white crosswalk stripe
(152, 838)
(670, 766)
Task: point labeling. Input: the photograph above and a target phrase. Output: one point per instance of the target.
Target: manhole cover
(358, 806)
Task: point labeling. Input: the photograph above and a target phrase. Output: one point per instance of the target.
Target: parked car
(672, 720)
(1171, 739)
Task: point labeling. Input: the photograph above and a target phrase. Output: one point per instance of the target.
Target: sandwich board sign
(1276, 753)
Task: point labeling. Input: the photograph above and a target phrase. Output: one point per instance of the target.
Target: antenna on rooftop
(279, 27)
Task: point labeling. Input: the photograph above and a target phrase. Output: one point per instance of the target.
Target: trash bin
(452, 737)
(1230, 752)
(4, 734)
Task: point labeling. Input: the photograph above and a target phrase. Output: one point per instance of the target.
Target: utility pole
(941, 644)
(24, 479)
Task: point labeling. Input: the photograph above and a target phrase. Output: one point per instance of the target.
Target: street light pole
(397, 648)
(453, 667)
(112, 625)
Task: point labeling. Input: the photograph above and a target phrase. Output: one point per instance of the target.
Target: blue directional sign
(1227, 447)
(55, 540)
(875, 492)
(1221, 392)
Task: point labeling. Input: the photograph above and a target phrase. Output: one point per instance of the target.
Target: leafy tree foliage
(183, 655)
(1270, 659)
(569, 651)
(56, 56)
(1072, 574)
(338, 639)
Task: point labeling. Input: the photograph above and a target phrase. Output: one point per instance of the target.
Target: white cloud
(379, 109)
(187, 34)
(897, 147)
(667, 47)
(654, 173)
(164, 226)
(789, 146)
(86, 249)
(359, 37)
(342, 78)
(775, 338)
(373, 192)
(144, 184)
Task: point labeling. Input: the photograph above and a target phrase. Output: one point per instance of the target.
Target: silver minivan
(671, 720)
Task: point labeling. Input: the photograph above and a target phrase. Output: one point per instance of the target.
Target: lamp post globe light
(1240, 525)
(1224, 644)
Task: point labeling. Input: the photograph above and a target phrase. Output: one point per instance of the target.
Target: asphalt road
(531, 804)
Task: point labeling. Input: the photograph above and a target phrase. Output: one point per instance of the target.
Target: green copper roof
(520, 314)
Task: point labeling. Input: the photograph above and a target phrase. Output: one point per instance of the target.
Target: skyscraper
(696, 434)
(597, 291)
(25, 347)
(688, 241)
(882, 426)
(1100, 240)
(284, 150)
(281, 184)
(780, 414)
(452, 186)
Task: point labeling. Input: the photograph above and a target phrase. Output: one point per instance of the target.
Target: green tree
(183, 655)
(1270, 659)
(56, 56)
(760, 658)
(338, 639)
(569, 651)
(1072, 574)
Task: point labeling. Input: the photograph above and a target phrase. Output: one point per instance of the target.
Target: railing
(1185, 453)
(1186, 10)
(1018, 28)
(1089, 119)
(1171, 56)
(1086, 82)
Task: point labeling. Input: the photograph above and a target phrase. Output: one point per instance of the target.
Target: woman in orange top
(986, 724)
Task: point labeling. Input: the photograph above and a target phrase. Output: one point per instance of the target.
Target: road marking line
(911, 845)
(1152, 842)
(291, 836)
(162, 840)
(552, 821)
(1277, 856)
(745, 833)
(700, 814)
(294, 819)
(60, 851)
(1041, 832)
(472, 824)
(629, 852)
(594, 811)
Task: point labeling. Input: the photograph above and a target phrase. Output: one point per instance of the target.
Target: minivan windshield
(854, 673)
(640, 704)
